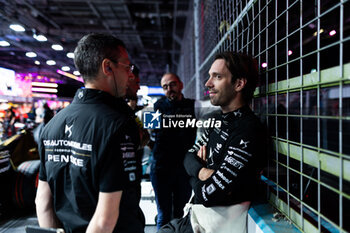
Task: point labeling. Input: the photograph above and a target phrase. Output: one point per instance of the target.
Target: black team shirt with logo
(87, 148)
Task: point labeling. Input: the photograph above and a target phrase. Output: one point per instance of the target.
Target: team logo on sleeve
(238, 113)
(210, 189)
(152, 120)
(244, 143)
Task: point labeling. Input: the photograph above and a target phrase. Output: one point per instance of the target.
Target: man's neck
(232, 106)
(100, 83)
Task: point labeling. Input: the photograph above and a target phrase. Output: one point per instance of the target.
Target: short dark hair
(242, 66)
(92, 49)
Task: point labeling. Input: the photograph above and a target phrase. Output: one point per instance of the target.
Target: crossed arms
(218, 184)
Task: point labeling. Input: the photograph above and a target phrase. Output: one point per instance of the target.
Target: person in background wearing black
(131, 98)
(168, 176)
(87, 173)
(48, 113)
(10, 120)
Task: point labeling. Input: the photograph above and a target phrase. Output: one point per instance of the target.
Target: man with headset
(88, 175)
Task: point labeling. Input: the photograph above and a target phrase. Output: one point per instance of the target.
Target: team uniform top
(87, 148)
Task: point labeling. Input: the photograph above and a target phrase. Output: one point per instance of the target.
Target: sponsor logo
(245, 144)
(132, 168)
(65, 159)
(239, 150)
(203, 193)
(218, 182)
(151, 120)
(128, 155)
(80, 94)
(229, 170)
(69, 130)
(210, 189)
(132, 176)
(217, 130)
(233, 162)
(73, 144)
(221, 175)
(236, 155)
(238, 113)
(126, 148)
(192, 150)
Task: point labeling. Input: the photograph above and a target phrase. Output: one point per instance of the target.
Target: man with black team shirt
(226, 162)
(88, 164)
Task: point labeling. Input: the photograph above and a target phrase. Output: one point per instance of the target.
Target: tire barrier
(21, 147)
(25, 184)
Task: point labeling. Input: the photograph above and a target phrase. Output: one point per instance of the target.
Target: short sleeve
(42, 170)
(111, 174)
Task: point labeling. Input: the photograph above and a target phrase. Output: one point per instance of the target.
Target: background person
(131, 98)
(168, 176)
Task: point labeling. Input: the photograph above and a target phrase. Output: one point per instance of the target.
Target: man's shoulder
(188, 100)
(98, 110)
(251, 117)
(81, 115)
(250, 124)
(160, 103)
(161, 100)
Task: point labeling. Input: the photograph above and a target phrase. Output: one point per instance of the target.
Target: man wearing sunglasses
(87, 180)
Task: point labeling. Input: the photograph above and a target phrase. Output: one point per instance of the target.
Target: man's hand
(205, 173)
(202, 154)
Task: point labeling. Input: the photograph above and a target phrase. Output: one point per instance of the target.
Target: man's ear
(240, 84)
(181, 85)
(106, 67)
